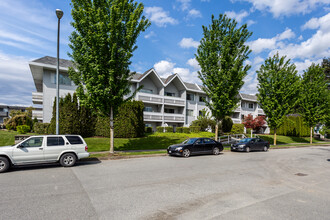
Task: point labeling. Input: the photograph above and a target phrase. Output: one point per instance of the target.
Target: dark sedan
(250, 144)
(195, 146)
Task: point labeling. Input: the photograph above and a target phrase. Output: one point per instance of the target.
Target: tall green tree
(221, 55)
(278, 89)
(326, 66)
(102, 45)
(314, 101)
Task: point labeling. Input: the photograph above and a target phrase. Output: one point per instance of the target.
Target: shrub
(160, 129)
(179, 129)
(293, 126)
(148, 130)
(169, 129)
(195, 129)
(23, 129)
(102, 126)
(226, 124)
(237, 129)
(204, 123)
(248, 131)
(41, 128)
(186, 130)
(23, 119)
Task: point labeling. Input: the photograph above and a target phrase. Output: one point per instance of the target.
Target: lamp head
(59, 13)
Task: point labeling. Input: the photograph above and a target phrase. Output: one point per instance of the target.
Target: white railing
(150, 97)
(37, 114)
(174, 100)
(4, 114)
(260, 111)
(37, 97)
(174, 117)
(153, 116)
(236, 120)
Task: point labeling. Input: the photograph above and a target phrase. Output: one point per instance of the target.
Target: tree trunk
(311, 137)
(274, 136)
(216, 130)
(111, 130)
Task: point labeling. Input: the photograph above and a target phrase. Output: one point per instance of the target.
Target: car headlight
(178, 148)
(242, 145)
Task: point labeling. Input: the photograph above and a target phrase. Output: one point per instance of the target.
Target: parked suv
(65, 149)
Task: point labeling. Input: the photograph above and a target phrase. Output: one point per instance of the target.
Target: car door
(198, 146)
(208, 144)
(29, 151)
(55, 145)
(260, 144)
(253, 144)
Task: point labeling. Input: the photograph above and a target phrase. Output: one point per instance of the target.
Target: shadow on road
(83, 162)
(328, 160)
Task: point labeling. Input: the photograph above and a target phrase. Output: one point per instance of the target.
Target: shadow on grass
(149, 143)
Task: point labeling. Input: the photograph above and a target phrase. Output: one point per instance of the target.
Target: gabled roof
(53, 61)
(248, 97)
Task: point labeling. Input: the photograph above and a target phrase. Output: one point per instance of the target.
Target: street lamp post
(59, 14)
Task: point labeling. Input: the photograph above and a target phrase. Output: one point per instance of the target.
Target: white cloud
(262, 44)
(250, 22)
(237, 16)
(315, 23)
(193, 63)
(286, 7)
(301, 66)
(193, 13)
(160, 17)
(185, 4)
(149, 35)
(188, 43)
(164, 68)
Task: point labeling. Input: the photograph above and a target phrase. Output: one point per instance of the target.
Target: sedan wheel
(68, 160)
(265, 148)
(4, 164)
(247, 149)
(216, 151)
(186, 153)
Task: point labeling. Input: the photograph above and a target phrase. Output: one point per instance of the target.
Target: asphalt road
(279, 184)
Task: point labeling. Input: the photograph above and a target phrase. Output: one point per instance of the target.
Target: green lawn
(150, 142)
(8, 137)
(280, 139)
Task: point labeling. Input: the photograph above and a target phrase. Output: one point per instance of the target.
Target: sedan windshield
(245, 140)
(190, 141)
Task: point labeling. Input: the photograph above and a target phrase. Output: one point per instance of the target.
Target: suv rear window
(74, 139)
(55, 141)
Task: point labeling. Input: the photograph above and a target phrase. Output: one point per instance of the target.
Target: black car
(195, 146)
(250, 144)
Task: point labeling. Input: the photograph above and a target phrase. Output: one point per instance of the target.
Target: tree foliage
(102, 45)
(204, 121)
(278, 89)
(254, 123)
(221, 55)
(314, 97)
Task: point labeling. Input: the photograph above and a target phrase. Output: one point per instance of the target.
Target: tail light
(86, 148)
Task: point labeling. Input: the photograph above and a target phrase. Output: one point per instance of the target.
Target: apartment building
(5, 111)
(168, 101)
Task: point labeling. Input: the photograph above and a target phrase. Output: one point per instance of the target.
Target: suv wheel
(4, 164)
(68, 160)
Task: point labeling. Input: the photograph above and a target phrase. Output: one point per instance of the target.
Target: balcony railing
(261, 112)
(238, 109)
(37, 98)
(4, 114)
(158, 99)
(152, 116)
(236, 120)
(37, 114)
(174, 101)
(174, 117)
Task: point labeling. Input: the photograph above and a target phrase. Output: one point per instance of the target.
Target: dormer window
(147, 91)
(169, 94)
(250, 105)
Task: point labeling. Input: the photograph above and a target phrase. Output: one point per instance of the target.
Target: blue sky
(299, 29)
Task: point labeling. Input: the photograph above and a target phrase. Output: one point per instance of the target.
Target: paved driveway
(279, 184)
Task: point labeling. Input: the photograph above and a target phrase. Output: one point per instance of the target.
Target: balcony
(153, 116)
(236, 120)
(173, 117)
(238, 109)
(150, 98)
(261, 112)
(37, 114)
(3, 114)
(37, 98)
(168, 100)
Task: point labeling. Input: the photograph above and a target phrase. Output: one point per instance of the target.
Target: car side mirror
(20, 146)
(67, 143)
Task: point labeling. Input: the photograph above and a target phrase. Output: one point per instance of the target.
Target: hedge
(179, 129)
(186, 130)
(148, 130)
(169, 129)
(227, 124)
(194, 129)
(293, 126)
(23, 129)
(237, 129)
(40, 128)
(160, 129)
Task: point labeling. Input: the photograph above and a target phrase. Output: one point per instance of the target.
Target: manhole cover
(301, 174)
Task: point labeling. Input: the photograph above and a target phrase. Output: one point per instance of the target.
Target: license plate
(170, 151)
(234, 148)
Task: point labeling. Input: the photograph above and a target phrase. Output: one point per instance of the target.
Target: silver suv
(65, 149)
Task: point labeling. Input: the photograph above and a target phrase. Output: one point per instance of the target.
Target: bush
(227, 124)
(179, 129)
(195, 129)
(23, 129)
(186, 130)
(204, 123)
(237, 129)
(41, 128)
(293, 126)
(102, 126)
(148, 130)
(169, 129)
(160, 129)
(23, 119)
(248, 131)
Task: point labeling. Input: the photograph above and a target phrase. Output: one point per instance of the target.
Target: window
(55, 141)
(242, 104)
(63, 80)
(169, 94)
(147, 91)
(199, 141)
(208, 141)
(190, 112)
(169, 110)
(251, 105)
(190, 97)
(32, 142)
(202, 98)
(73, 140)
(148, 125)
(147, 109)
